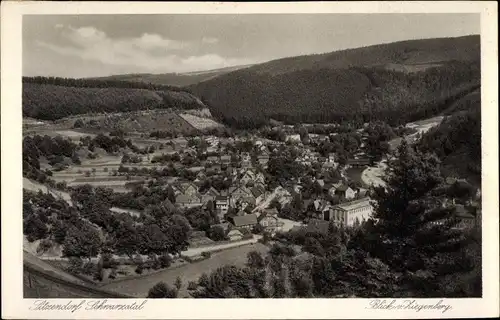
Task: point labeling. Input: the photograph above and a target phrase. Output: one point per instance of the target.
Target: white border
(14, 306)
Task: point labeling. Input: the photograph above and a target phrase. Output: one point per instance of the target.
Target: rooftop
(462, 212)
(354, 204)
(249, 219)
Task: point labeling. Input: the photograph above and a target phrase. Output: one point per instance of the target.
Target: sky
(101, 45)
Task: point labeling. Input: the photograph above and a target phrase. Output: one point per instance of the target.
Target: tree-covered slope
(396, 82)
(55, 98)
(457, 142)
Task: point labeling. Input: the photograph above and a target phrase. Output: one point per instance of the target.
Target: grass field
(190, 272)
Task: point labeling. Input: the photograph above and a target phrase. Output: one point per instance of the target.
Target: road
(372, 176)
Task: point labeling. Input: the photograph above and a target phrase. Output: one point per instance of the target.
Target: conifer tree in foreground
(414, 234)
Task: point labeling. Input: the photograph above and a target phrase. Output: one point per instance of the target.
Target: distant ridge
(173, 79)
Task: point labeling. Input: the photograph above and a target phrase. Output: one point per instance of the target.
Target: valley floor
(190, 272)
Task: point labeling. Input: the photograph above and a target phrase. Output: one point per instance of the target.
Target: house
(239, 193)
(314, 156)
(235, 235)
(180, 143)
(209, 195)
(241, 213)
(246, 222)
(263, 159)
(226, 159)
(247, 177)
(464, 217)
(259, 185)
(188, 200)
(212, 159)
(349, 212)
(201, 175)
(221, 204)
(259, 178)
(321, 208)
(189, 188)
(345, 192)
(246, 164)
(216, 167)
(314, 137)
(257, 191)
(362, 192)
(293, 138)
(270, 222)
(332, 188)
(211, 149)
(177, 189)
(189, 152)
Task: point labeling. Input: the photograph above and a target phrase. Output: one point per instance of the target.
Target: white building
(347, 213)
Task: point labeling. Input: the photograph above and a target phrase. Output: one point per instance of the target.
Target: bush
(203, 280)
(139, 269)
(192, 285)
(75, 265)
(257, 229)
(247, 236)
(122, 272)
(108, 262)
(165, 260)
(162, 290)
(138, 260)
(113, 274)
(88, 268)
(217, 233)
(99, 275)
(178, 283)
(44, 246)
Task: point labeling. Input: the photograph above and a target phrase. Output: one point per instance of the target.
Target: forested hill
(49, 98)
(397, 82)
(457, 142)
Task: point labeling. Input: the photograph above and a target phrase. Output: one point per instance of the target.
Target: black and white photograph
(268, 156)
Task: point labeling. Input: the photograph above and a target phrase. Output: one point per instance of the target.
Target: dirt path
(35, 186)
(216, 247)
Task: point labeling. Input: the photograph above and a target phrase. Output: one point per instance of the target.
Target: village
(248, 205)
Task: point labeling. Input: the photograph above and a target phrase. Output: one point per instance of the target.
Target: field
(410, 68)
(191, 272)
(199, 122)
(421, 126)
